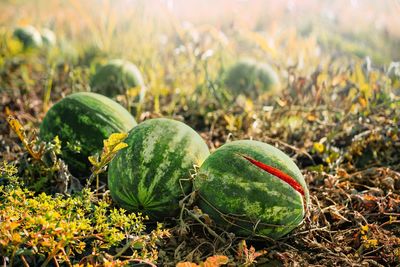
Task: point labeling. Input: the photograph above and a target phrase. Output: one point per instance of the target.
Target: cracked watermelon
(252, 188)
(82, 121)
(151, 174)
(117, 76)
(251, 78)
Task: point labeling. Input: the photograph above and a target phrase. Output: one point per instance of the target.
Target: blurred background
(183, 45)
(363, 27)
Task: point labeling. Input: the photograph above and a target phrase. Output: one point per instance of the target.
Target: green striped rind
(29, 37)
(116, 77)
(234, 190)
(148, 175)
(86, 119)
(251, 78)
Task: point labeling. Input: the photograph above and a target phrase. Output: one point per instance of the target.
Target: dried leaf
(18, 129)
(186, 264)
(215, 261)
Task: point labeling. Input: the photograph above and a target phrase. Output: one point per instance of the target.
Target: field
(337, 115)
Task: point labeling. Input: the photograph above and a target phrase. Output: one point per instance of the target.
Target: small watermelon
(393, 71)
(149, 175)
(252, 188)
(28, 36)
(251, 78)
(84, 120)
(117, 76)
(48, 37)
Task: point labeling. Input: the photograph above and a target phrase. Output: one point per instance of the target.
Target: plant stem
(24, 261)
(66, 258)
(214, 234)
(52, 254)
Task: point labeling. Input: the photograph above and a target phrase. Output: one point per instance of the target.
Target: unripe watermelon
(253, 189)
(148, 176)
(84, 119)
(48, 37)
(251, 78)
(394, 71)
(28, 36)
(115, 77)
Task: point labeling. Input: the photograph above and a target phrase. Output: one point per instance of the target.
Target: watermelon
(115, 77)
(149, 175)
(84, 120)
(251, 78)
(394, 71)
(252, 188)
(48, 37)
(28, 36)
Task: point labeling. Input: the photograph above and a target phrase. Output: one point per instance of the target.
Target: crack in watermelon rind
(277, 173)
